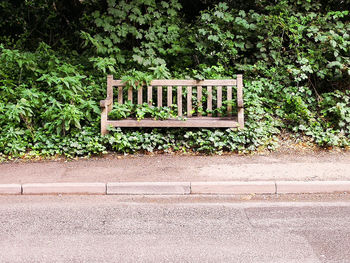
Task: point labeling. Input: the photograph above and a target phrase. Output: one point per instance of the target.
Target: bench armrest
(105, 103)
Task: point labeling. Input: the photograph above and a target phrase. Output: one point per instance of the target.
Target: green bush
(54, 59)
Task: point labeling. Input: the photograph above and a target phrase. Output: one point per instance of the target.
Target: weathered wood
(219, 97)
(209, 100)
(185, 82)
(160, 96)
(120, 95)
(189, 123)
(240, 101)
(110, 91)
(199, 100)
(209, 122)
(170, 96)
(130, 94)
(189, 101)
(229, 99)
(104, 121)
(106, 102)
(139, 95)
(179, 101)
(149, 95)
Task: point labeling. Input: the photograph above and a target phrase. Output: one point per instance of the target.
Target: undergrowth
(294, 56)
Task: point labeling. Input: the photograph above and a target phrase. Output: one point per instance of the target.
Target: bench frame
(191, 122)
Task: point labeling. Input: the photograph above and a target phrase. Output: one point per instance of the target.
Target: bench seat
(193, 122)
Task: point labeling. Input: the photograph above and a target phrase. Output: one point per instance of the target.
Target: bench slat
(139, 95)
(219, 97)
(149, 95)
(179, 101)
(209, 100)
(130, 94)
(189, 101)
(197, 122)
(229, 98)
(160, 96)
(170, 96)
(199, 99)
(185, 82)
(120, 95)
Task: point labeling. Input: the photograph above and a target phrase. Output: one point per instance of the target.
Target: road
(172, 229)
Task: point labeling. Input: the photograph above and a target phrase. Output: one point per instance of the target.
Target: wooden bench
(167, 87)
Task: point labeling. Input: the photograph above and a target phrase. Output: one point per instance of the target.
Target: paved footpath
(174, 174)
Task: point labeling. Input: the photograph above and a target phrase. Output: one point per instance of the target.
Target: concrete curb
(177, 188)
(64, 188)
(149, 188)
(10, 189)
(297, 187)
(233, 187)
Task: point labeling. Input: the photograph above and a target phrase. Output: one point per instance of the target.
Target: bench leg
(104, 114)
(240, 101)
(241, 118)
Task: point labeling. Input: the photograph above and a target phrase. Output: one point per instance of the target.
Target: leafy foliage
(144, 32)
(122, 111)
(55, 55)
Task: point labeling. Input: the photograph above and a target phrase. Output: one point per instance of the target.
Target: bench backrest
(181, 86)
(172, 85)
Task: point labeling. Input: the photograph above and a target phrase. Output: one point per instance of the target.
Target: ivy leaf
(335, 64)
(138, 59)
(219, 14)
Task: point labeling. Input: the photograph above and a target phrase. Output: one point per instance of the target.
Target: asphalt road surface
(172, 229)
